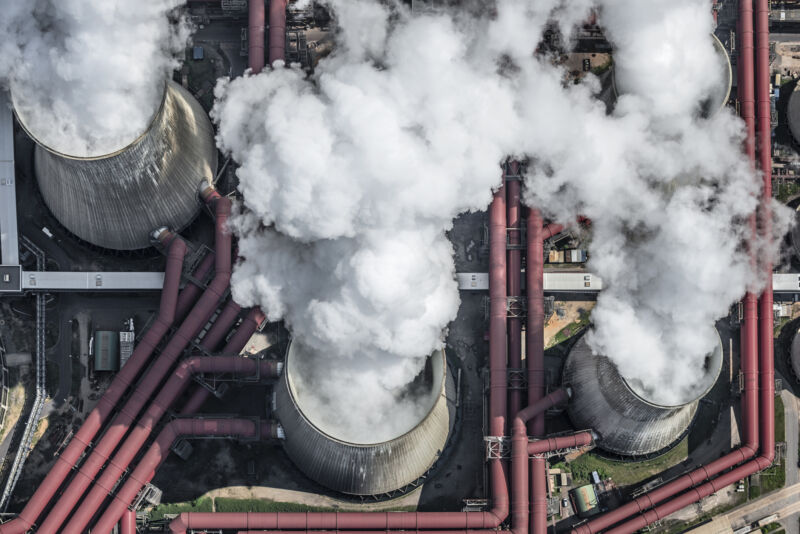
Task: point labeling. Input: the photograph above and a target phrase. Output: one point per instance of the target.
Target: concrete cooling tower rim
(709, 379)
(139, 137)
(291, 371)
(720, 48)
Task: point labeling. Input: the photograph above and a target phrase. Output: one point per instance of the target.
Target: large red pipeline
(766, 330)
(757, 423)
(498, 392)
(188, 330)
(514, 279)
(277, 31)
(222, 325)
(255, 35)
(234, 346)
(67, 460)
(127, 524)
(159, 450)
(189, 294)
(407, 521)
(177, 383)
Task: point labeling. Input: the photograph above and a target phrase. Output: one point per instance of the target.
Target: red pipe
(222, 325)
(127, 524)
(277, 31)
(189, 294)
(180, 378)
(520, 519)
(184, 335)
(757, 424)
(497, 427)
(767, 376)
(159, 450)
(235, 344)
(581, 439)
(514, 278)
(255, 35)
(67, 460)
(407, 521)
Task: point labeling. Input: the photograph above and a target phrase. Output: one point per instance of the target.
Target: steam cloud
(86, 77)
(351, 179)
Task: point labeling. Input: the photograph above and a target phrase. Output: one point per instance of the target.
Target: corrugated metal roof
(91, 281)
(106, 350)
(365, 469)
(117, 201)
(9, 244)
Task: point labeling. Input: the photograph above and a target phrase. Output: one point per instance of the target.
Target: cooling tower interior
(721, 93)
(623, 413)
(115, 201)
(360, 468)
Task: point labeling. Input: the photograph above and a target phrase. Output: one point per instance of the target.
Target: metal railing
(41, 393)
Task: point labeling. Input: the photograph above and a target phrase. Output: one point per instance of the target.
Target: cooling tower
(363, 468)
(719, 97)
(795, 355)
(115, 201)
(793, 113)
(622, 412)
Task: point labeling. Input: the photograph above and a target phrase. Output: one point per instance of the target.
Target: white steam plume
(350, 180)
(86, 77)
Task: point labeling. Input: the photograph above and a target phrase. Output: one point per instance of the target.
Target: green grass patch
(754, 492)
(772, 527)
(774, 477)
(625, 473)
(226, 504)
(779, 324)
(786, 190)
(571, 329)
(780, 421)
(203, 504)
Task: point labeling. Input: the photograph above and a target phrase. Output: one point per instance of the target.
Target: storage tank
(621, 411)
(115, 200)
(717, 100)
(363, 468)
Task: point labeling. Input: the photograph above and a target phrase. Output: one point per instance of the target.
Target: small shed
(584, 499)
(106, 351)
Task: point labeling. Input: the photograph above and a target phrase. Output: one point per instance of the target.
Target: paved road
(792, 429)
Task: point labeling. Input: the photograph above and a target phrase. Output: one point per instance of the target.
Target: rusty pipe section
(512, 180)
(234, 346)
(580, 439)
(520, 518)
(191, 292)
(67, 460)
(756, 365)
(181, 377)
(498, 392)
(277, 31)
(195, 321)
(222, 325)
(127, 525)
(256, 22)
(766, 326)
(159, 450)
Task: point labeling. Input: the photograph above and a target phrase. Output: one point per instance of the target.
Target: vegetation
(625, 473)
(772, 527)
(683, 526)
(203, 504)
(786, 190)
(600, 69)
(774, 477)
(571, 329)
(779, 324)
(226, 504)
